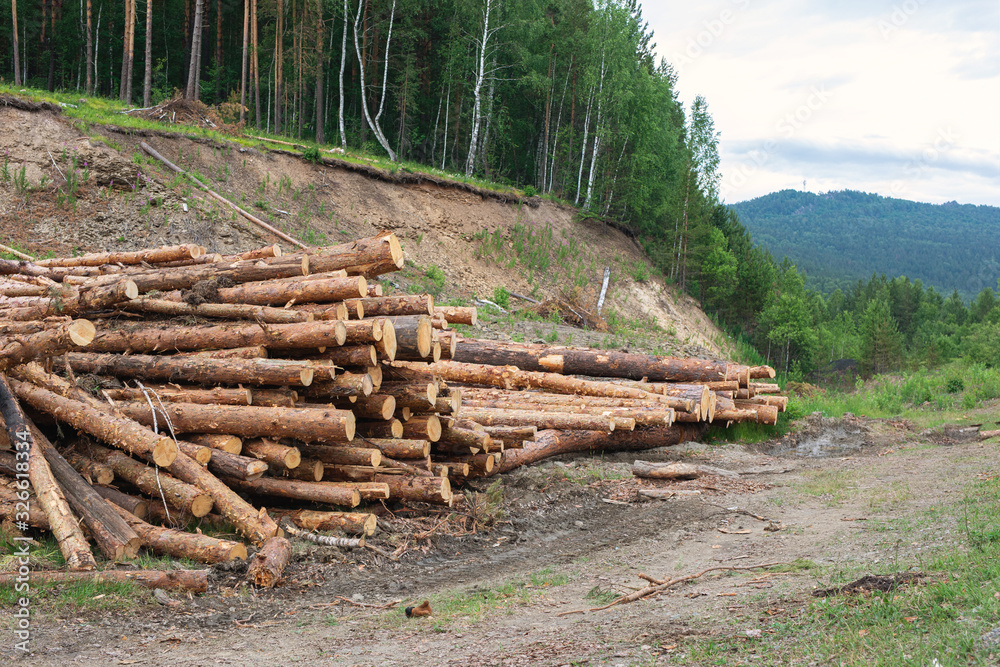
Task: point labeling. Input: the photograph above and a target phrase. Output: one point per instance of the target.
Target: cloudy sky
(897, 97)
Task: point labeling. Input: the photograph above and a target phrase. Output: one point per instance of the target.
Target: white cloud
(847, 94)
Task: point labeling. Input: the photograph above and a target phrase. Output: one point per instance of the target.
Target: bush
(530, 191)
(501, 297)
(311, 154)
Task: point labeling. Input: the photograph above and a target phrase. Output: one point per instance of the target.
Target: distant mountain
(837, 238)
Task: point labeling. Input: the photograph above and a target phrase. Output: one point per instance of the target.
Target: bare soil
(571, 532)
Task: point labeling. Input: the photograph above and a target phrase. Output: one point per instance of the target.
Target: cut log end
(82, 332)
(164, 452)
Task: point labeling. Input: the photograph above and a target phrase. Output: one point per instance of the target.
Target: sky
(900, 98)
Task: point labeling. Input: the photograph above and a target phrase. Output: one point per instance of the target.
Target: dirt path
(562, 547)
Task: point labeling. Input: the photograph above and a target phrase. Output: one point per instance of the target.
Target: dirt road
(572, 535)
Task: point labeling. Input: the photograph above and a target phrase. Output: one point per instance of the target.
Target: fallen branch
(325, 540)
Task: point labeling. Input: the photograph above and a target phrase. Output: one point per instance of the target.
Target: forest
(838, 237)
(561, 98)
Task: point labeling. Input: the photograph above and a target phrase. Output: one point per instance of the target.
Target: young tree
(89, 87)
(194, 66)
(343, 61)
(485, 44)
(373, 123)
(881, 342)
(320, 136)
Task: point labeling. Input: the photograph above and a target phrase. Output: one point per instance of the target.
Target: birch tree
(194, 63)
(147, 79)
(485, 44)
(374, 123)
(343, 61)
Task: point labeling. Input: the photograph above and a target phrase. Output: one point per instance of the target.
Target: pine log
(423, 427)
(643, 416)
(148, 256)
(688, 401)
(274, 398)
(436, 490)
(233, 465)
(325, 311)
(194, 368)
(457, 314)
(438, 323)
(356, 456)
(766, 387)
(596, 363)
(12, 508)
(509, 377)
(251, 352)
(545, 420)
(376, 406)
(269, 563)
(371, 256)
(387, 346)
(46, 343)
(677, 470)
(278, 292)
(259, 253)
(233, 311)
(765, 414)
(221, 441)
(195, 581)
(133, 504)
(70, 302)
(780, 402)
(274, 337)
(181, 544)
(93, 472)
(419, 396)
(310, 424)
(199, 453)
(51, 499)
(408, 468)
(387, 306)
(348, 355)
(354, 523)
(207, 258)
(363, 332)
(551, 443)
(397, 448)
(308, 470)
(177, 393)
(124, 433)
(392, 428)
(317, 492)
(345, 384)
(454, 435)
(154, 483)
(367, 491)
(449, 343)
(413, 336)
(273, 453)
(513, 433)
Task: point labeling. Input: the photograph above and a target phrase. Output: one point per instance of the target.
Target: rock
(988, 641)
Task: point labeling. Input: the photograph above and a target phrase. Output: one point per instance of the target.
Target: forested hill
(837, 238)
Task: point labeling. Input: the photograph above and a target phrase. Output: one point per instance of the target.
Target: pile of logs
(260, 389)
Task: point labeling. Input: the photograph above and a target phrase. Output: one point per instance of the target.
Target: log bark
(232, 311)
(194, 368)
(309, 424)
(278, 292)
(513, 433)
(380, 429)
(676, 470)
(251, 352)
(181, 544)
(221, 441)
(274, 398)
(354, 523)
(47, 343)
(268, 564)
(266, 252)
(273, 453)
(386, 306)
(72, 302)
(63, 524)
(199, 453)
(551, 443)
(317, 492)
(349, 355)
(308, 470)
(132, 504)
(413, 336)
(370, 256)
(123, 433)
(423, 427)
(93, 472)
(368, 491)
(418, 396)
(457, 314)
(436, 490)
(376, 406)
(177, 393)
(596, 363)
(545, 420)
(233, 465)
(397, 448)
(149, 256)
(356, 456)
(195, 581)
(160, 485)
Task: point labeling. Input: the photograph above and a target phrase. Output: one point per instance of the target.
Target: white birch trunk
(364, 102)
(478, 87)
(583, 148)
(343, 60)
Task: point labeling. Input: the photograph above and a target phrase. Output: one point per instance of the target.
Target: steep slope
(838, 238)
(99, 191)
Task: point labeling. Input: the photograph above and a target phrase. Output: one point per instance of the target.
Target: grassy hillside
(838, 238)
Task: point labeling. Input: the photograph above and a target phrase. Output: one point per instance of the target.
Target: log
(252, 352)
(133, 504)
(259, 253)
(199, 453)
(194, 368)
(413, 336)
(363, 332)
(93, 472)
(195, 581)
(375, 406)
(454, 435)
(387, 306)
(380, 429)
(148, 256)
(355, 523)
(325, 540)
(595, 363)
(278, 292)
(317, 492)
(407, 468)
(308, 470)
(310, 424)
(274, 337)
(348, 355)
(436, 490)
(181, 544)
(355, 456)
(549, 443)
(449, 343)
(386, 347)
(397, 448)
(233, 465)
(457, 314)
(274, 398)
(221, 441)
(423, 427)
(508, 433)
(273, 453)
(232, 311)
(544, 420)
(367, 491)
(345, 384)
(371, 256)
(164, 392)
(676, 470)
(12, 509)
(46, 343)
(63, 524)
(156, 484)
(123, 433)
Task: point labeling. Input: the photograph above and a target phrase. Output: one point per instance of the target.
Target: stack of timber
(267, 389)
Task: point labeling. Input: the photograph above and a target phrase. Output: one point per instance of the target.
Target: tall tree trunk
(147, 80)
(127, 65)
(194, 70)
(17, 55)
(444, 143)
(478, 85)
(364, 101)
(279, 57)
(343, 61)
(583, 148)
(555, 139)
(255, 62)
(548, 117)
(89, 87)
(243, 61)
(320, 135)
